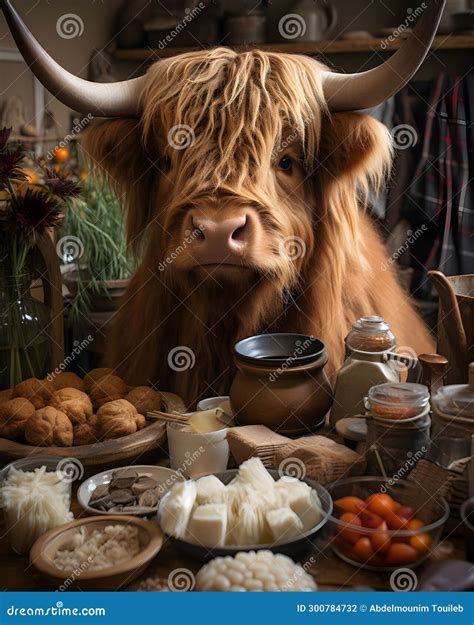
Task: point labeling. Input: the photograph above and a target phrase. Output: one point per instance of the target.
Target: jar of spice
(367, 347)
(398, 427)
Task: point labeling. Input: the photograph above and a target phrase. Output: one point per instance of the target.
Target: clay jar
(281, 383)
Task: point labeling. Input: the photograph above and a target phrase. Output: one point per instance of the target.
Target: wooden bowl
(108, 453)
(112, 578)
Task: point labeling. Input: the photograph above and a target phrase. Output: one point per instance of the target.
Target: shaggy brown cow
(244, 191)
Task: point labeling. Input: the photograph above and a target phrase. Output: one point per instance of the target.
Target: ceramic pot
(281, 383)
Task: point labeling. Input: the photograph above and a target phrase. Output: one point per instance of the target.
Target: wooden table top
(330, 573)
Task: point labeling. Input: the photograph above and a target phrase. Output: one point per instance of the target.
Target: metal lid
(402, 395)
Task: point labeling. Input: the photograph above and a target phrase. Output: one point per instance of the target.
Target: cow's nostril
(239, 233)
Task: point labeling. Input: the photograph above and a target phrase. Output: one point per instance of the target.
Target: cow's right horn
(119, 99)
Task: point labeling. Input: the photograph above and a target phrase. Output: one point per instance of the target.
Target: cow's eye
(285, 163)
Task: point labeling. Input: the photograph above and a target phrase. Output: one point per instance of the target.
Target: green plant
(96, 221)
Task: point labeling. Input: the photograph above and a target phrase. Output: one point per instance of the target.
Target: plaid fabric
(441, 191)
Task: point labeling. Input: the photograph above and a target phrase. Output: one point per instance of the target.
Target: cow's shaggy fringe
(240, 108)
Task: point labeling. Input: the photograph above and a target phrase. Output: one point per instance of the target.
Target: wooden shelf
(341, 46)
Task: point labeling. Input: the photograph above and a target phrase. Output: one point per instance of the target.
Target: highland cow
(244, 177)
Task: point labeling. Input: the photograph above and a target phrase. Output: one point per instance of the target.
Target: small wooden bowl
(112, 578)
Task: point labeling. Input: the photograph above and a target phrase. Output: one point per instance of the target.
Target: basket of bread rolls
(98, 419)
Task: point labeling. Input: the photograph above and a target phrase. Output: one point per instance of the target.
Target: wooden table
(330, 572)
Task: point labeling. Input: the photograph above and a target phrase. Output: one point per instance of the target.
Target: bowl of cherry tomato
(384, 525)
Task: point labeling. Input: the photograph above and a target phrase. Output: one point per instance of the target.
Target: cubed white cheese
(208, 525)
(210, 490)
(284, 524)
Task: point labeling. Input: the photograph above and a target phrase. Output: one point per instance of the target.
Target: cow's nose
(221, 240)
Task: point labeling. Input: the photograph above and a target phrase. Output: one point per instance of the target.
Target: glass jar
(370, 334)
(368, 346)
(398, 427)
(453, 422)
(25, 344)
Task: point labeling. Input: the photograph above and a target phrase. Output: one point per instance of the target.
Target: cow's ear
(355, 146)
(116, 149)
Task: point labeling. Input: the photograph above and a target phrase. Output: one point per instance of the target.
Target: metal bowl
(277, 349)
(293, 548)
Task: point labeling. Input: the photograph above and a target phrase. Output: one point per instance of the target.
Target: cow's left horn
(119, 99)
(346, 92)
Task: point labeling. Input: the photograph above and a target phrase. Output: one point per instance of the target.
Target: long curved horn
(119, 99)
(346, 92)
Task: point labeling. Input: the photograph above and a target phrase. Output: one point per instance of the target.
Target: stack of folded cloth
(255, 440)
(324, 460)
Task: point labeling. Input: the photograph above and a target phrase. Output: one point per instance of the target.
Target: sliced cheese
(176, 509)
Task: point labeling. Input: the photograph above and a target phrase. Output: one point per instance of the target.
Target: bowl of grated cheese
(96, 553)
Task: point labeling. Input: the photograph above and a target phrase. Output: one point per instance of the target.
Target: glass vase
(25, 345)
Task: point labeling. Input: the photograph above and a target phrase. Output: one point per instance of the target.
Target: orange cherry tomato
(400, 554)
(415, 524)
(362, 550)
(381, 504)
(421, 542)
(370, 519)
(349, 535)
(380, 540)
(395, 522)
(350, 504)
(406, 512)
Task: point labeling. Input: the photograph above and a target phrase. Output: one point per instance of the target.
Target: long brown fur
(242, 108)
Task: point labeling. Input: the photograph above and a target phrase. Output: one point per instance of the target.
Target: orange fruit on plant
(61, 155)
(350, 504)
(399, 554)
(382, 504)
(421, 542)
(348, 534)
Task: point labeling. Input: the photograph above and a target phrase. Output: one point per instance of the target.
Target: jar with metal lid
(366, 364)
(398, 427)
(453, 422)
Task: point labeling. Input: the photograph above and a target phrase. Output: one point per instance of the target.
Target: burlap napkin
(254, 440)
(324, 460)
